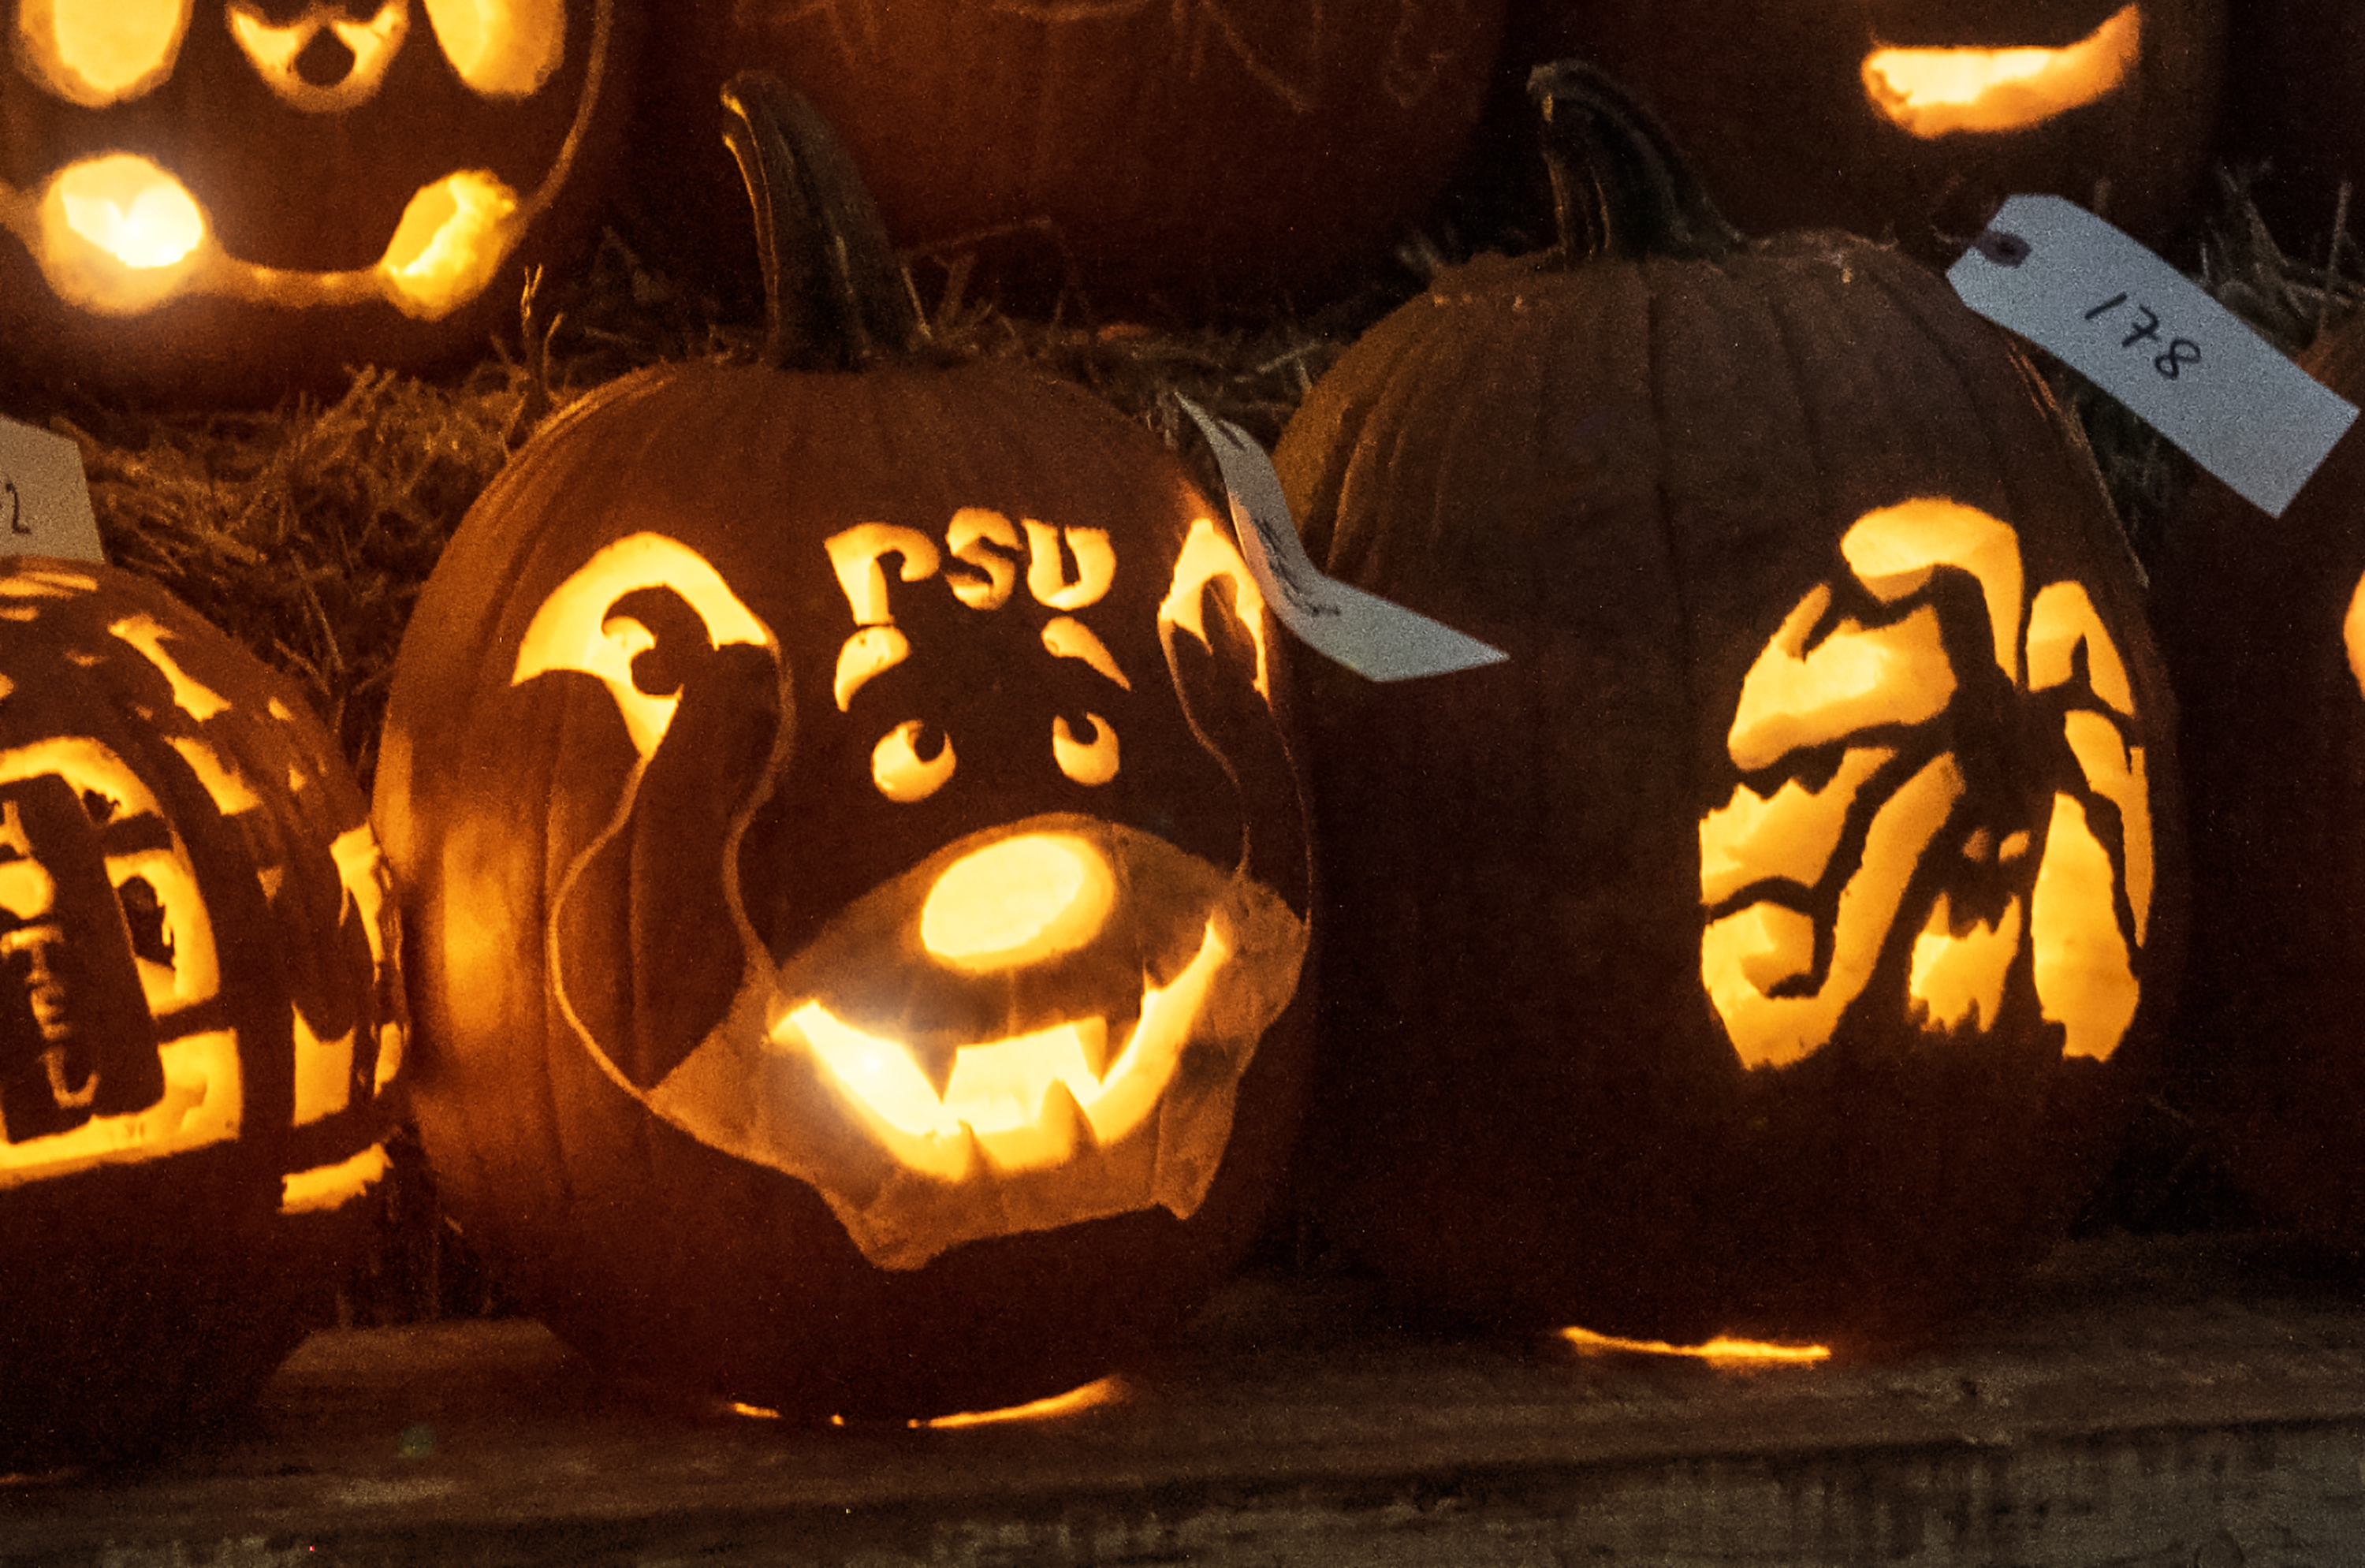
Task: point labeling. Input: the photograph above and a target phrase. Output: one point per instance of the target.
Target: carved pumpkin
(1913, 119)
(225, 196)
(1802, 867)
(1202, 153)
(2263, 622)
(859, 885)
(198, 1015)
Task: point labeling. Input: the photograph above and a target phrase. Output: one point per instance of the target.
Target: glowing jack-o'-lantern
(199, 1013)
(1805, 863)
(1913, 119)
(227, 196)
(1796, 928)
(880, 839)
(2263, 622)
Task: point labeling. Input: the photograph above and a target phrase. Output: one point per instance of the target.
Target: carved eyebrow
(1068, 638)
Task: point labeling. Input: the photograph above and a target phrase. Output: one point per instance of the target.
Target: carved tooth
(1063, 1120)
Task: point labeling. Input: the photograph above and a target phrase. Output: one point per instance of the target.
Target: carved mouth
(1019, 1104)
(1073, 1053)
(119, 236)
(1936, 91)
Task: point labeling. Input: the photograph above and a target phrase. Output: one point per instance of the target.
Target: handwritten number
(2170, 362)
(16, 524)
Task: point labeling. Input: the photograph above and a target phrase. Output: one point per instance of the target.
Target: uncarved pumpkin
(1738, 956)
(227, 201)
(199, 1017)
(1207, 154)
(857, 879)
(2262, 622)
(1913, 119)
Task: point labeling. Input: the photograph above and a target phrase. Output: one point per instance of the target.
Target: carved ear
(1215, 628)
(670, 860)
(96, 55)
(585, 625)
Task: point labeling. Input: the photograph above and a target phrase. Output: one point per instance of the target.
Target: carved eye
(502, 49)
(902, 774)
(97, 55)
(1091, 761)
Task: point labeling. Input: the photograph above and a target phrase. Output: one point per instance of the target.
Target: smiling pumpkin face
(228, 194)
(1915, 119)
(883, 848)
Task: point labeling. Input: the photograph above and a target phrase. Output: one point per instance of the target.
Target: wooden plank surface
(2188, 1404)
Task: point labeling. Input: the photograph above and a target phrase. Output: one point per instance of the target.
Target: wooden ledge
(2181, 1402)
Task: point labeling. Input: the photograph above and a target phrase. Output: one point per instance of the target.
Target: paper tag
(44, 498)
(1362, 631)
(2188, 367)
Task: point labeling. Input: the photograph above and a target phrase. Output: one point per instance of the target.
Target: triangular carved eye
(501, 48)
(100, 54)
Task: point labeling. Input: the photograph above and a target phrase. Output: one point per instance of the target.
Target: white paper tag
(44, 497)
(1362, 631)
(2192, 370)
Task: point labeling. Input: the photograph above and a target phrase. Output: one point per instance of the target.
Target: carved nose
(325, 61)
(1018, 902)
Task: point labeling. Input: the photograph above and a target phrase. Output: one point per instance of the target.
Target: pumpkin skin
(1772, 101)
(594, 1093)
(202, 1022)
(2259, 619)
(1603, 1042)
(313, 177)
(1199, 156)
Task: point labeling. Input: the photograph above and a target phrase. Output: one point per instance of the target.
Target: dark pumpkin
(1204, 154)
(2262, 625)
(227, 201)
(1807, 114)
(1670, 987)
(857, 882)
(199, 1017)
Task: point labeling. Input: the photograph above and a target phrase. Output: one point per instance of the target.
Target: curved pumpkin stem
(1621, 186)
(834, 296)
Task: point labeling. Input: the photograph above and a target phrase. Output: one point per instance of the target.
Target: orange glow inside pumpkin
(119, 235)
(1094, 1395)
(501, 48)
(1017, 901)
(1027, 1101)
(1817, 684)
(1721, 1350)
(1936, 91)
(448, 245)
(99, 54)
(276, 51)
(130, 210)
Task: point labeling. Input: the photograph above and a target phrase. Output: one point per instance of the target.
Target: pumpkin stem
(834, 295)
(1621, 186)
